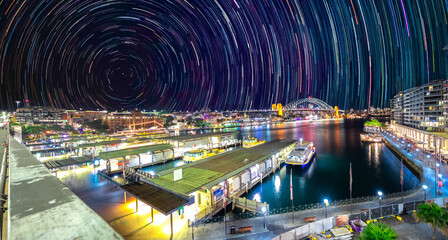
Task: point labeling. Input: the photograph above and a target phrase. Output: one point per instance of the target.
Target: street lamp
(192, 219)
(263, 210)
(381, 210)
(424, 188)
(326, 204)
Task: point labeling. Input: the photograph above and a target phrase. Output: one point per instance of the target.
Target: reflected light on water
(257, 198)
(277, 183)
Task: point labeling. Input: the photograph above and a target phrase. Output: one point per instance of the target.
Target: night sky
(222, 54)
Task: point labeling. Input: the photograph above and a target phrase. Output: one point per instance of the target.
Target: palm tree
(378, 231)
(434, 216)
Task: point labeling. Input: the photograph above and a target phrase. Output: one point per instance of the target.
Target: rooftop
(195, 136)
(213, 170)
(134, 151)
(41, 207)
(162, 200)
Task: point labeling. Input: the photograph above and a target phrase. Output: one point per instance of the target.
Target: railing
(2, 189)
(316, 228)
(305, 207)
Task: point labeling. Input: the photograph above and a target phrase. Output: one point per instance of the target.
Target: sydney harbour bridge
(300, 106)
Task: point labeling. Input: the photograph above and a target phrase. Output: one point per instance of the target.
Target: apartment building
(421, 107)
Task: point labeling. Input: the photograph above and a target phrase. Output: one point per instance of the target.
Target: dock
(226, 175)
(202, 187)
(247, 204)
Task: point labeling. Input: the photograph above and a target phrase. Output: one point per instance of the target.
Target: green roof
(215, 169)
(134, 151)
(95, 144)
(195, 136)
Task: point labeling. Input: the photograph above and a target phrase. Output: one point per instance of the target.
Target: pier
(213, 180)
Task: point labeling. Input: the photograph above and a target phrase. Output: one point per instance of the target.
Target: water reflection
(277, 183)
(337, 143)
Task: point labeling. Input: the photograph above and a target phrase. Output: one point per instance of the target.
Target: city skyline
(227, 55)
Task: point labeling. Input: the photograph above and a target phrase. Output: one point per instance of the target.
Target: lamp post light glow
(326, 204)
(381, 210)
(424, 188)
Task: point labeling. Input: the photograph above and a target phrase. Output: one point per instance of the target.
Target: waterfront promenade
(108, 202)
(280, 223)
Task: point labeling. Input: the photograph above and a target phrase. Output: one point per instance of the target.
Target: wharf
(211, 171)
(203, 176)
(187, 137)
(133, 151)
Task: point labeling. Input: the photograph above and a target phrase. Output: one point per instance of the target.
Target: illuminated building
(132, 120)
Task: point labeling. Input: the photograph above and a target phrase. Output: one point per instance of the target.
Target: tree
(434, 216)
(373, 122)
(96, 125)
(378, 231)
(55, 128)
(69, 129)
(169, 121)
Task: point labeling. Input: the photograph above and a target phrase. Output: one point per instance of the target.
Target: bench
(310, 219)
(245, 229)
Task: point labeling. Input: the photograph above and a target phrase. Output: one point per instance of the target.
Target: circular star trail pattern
(239, 54)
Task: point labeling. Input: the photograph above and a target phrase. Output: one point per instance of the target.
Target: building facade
(35, 115)
(76, 118)
(134, 120)
(422, 107)
(396, 105)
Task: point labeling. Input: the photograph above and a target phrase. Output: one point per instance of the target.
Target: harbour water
(374, 167)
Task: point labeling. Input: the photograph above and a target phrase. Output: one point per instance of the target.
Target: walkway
(41, 207)
(108, 202)
(420, 157)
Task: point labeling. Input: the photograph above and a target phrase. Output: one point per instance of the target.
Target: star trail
(230, 54)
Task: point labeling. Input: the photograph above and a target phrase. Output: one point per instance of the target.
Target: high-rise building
(421, 107)
(396, 106)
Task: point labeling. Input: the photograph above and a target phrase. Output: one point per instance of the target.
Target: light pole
(192, 226)
(381, 209)
(326, 204)
(424, 188)
(263, 210)
(435, 178)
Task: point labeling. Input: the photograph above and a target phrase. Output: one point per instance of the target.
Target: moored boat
(251, 142)
(302, 154)
(371, 138)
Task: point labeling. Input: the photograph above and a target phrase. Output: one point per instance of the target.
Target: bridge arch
(321, 104)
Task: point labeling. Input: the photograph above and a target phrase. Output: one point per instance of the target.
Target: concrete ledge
(414, 167)
(41, 207)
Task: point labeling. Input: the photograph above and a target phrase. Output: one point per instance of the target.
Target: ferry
(195, 155)
(371, 138)
(251, 142)
(302, 154)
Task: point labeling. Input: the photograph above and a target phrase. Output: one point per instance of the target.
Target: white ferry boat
(302, 154)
